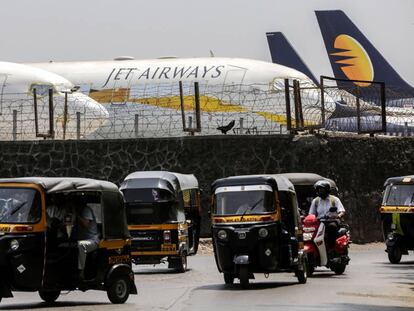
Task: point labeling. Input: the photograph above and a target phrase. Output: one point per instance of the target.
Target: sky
(61, 30)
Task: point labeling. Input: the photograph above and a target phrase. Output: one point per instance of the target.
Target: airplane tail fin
(283, 53)
(352, 55)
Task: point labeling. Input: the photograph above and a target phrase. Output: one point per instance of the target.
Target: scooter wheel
(302, 275)
(338, 269)
(394, 254)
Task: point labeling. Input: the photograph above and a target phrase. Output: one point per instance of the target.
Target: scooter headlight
(307, 236)
(14, 245)
(263, 232)
(222, 234)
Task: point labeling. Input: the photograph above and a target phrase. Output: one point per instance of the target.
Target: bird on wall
(224, 129)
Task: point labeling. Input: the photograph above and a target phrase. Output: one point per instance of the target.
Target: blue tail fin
(283, 53)
(353, 57)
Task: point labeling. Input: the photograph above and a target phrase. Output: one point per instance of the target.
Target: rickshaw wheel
(49, 295)
(181, 263)
(244, 276)
(394, 254)
(119, 290)
(228, 278)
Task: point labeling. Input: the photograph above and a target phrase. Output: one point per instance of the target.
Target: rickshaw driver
(87, 235)
(322, 203)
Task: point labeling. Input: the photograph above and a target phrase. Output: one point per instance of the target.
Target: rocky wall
(359, 165)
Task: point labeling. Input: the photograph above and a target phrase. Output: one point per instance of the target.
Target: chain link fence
(173, 109)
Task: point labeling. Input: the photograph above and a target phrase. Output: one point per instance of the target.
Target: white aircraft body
(17, 117)
(142, 96)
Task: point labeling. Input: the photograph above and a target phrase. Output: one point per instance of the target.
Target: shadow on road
(43, 305)
(158, 271)
(252, 286)
(359, 307)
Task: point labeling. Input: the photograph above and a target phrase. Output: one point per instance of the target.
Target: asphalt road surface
(369, 283)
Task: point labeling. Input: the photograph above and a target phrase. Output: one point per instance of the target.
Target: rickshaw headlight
(222, 234)
(263, 232)
(14, 245)
(307, 236)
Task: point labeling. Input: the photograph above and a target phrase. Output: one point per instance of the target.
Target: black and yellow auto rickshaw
(397, 215)
(256, 227)
(304, 187)
(163, 214)
(38, 238)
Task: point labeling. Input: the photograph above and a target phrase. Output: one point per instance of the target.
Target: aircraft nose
(84, 116)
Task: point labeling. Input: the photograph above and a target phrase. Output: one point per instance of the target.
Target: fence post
(180, 84)
(78, 124)
(51, 117)
(197, 106)
(241, 126)
(322, 101)
(136, 126)
(358, 108)
(14, 124)
(65, 115)
(288, 112)
(35, 112)
(383, 109)
(298, 105)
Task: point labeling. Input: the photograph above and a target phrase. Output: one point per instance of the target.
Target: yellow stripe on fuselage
(282, 119)
(207, 104)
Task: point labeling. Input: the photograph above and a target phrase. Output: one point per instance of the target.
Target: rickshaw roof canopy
(307, 179)
(64, 184)
(275, 180)
(409, 179)
(177, 180)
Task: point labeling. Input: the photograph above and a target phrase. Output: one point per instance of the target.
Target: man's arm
(341, 209)
(312, 209)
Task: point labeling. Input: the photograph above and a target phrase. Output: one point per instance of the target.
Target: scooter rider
(321, 205)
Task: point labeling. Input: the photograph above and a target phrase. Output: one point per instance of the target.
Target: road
(369, 283)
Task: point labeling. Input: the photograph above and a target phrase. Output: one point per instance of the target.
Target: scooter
(333, 255)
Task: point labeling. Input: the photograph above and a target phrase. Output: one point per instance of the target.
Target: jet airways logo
(353, 60)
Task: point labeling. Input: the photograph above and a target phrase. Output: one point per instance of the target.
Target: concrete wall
(359, 165)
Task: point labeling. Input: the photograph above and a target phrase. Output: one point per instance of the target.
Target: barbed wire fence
(173, 109)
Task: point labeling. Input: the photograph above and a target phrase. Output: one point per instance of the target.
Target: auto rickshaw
(38, 243)
(163, 214)
(397, 215)
(256, 227)
(305, 191)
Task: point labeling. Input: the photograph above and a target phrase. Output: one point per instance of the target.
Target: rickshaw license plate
(168, 247)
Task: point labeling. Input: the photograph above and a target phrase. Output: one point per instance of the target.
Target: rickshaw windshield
(152, 206)
(402, 195)
(244, 202)
(19, 205)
